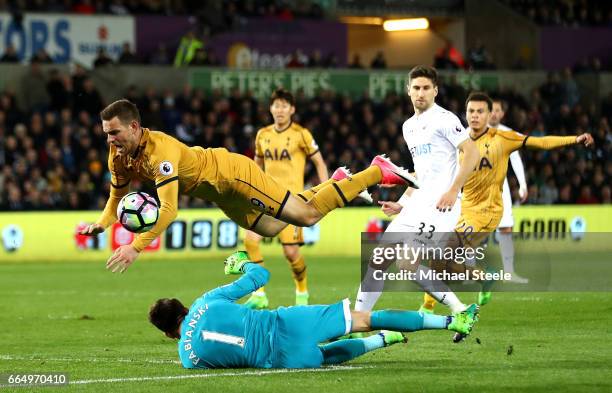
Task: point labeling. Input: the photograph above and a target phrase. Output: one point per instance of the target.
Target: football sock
(344, 350)
(307, 195)
(252, 248)
(432, 321)
(369, 291)
(402, 321)
(506, 247)
(365, 301)
(298, 269)
(428, 301)
(439, 290)
(339, 193)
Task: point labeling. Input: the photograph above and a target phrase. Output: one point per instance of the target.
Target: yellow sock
(338, 194)
(260, 292)
(298, 269)
(252, 248)
(307, 195)
(429, 302)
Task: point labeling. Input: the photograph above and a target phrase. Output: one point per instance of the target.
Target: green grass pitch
(78, 318)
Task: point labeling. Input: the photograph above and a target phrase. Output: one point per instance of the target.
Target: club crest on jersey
(458, 130)
(165, 168)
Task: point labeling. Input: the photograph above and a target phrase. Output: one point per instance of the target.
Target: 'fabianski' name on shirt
(195, 317)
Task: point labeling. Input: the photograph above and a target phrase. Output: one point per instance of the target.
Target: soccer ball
(138, 212)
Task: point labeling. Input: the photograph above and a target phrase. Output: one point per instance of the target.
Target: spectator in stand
(316, 60)
(34, 87)
(102, 59)
(59, 90)
(89, 100)
(117, 7)
(479, 58)
(297, 60)
(127, 56)
(448, 57)
(211, 58)
(379, 61)
(160, 56)
(199, 59)
(84, 7)
(10, 55)
(188, 46)
(356, 62)
(42, 57)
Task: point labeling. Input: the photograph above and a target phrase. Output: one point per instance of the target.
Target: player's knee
(360, 321)
(311, 216)
(291, 253)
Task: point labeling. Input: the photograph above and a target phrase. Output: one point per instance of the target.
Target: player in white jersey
(434, 136)
(504, 235)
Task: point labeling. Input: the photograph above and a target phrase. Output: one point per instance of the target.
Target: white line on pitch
(93, 360)
(213, 375)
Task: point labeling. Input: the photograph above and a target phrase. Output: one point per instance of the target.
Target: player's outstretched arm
(255, 277)
(555, 142)
(390, 208)
(109, 214)
(470, 159)
(124, 256)
(92, 229)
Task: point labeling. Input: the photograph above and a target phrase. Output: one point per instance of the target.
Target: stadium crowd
(53, 152)
(565, 13)
(228, 9)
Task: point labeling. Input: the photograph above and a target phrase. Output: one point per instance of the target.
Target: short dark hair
(422, 71)
(167, 314)
(282, 94)
(124, 109)
(501, 102)
(481, 97)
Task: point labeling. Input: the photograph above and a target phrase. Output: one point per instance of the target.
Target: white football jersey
(432, 138)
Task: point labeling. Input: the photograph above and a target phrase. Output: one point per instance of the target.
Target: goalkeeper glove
(234, 264)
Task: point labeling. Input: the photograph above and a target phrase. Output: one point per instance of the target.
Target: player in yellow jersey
(281, 150)
(234, 182)
(481, 203)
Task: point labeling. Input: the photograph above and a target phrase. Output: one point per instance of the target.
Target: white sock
(366, 300)
(439, 290)
(449, 299)
(506, 247)
(373, 342)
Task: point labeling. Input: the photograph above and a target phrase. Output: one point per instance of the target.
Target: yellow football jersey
(285, 153)
(482, 193)
(233, 181)
(168, 164)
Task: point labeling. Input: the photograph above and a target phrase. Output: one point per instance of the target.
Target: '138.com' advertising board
(208, 233)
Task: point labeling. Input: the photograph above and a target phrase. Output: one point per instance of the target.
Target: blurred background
(203, 71)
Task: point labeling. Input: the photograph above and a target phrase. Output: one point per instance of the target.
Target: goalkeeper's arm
(255, 277)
